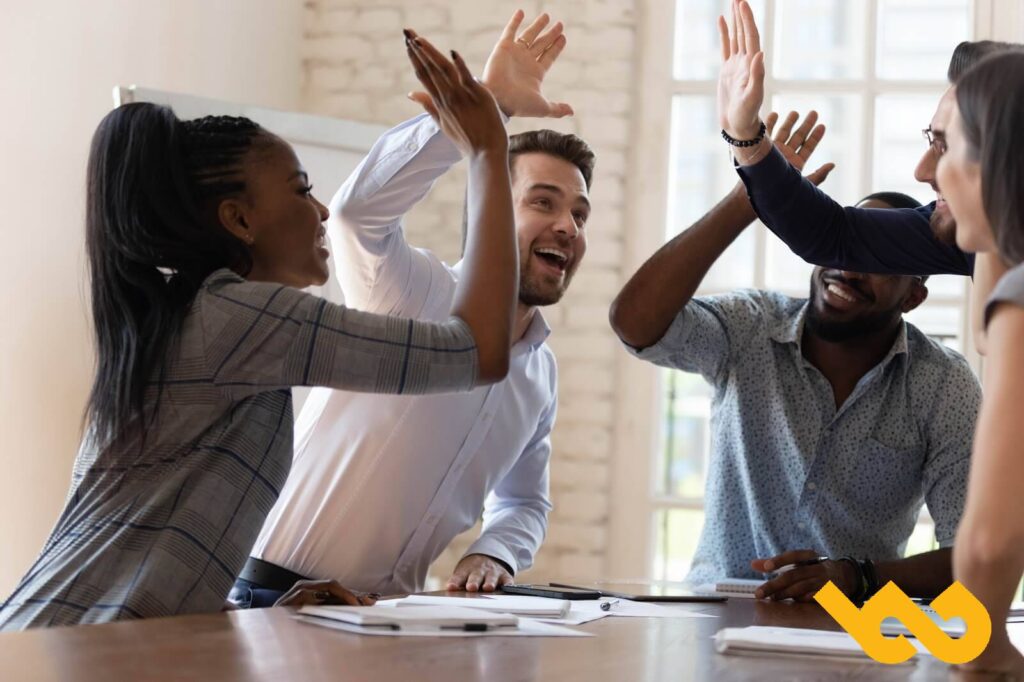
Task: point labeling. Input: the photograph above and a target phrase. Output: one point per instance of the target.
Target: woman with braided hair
(199, 236)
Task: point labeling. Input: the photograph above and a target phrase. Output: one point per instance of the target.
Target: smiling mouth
(844, 292)
(556, 258)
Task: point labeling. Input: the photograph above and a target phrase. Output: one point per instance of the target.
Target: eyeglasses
(936, 140)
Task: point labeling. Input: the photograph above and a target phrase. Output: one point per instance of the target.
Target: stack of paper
(732, 587)
(760, 641)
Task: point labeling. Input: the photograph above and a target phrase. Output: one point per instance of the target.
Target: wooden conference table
(268, 644)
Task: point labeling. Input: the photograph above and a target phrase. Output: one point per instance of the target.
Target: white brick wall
(356, 68)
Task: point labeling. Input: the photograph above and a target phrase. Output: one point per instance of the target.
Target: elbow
(492, 368)
(989, 548)
(622, 322)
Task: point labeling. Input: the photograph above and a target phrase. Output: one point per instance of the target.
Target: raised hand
(741, 81)
(517, 66)
(463, 108)
(797, 146)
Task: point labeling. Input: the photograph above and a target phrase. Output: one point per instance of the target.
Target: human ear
(917, 295)
(231, 216)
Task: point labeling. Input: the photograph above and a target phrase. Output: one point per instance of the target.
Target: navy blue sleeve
(819, 230)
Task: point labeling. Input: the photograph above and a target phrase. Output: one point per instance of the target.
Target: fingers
(548, 56)
(790, 557)
(786, 129)
(811, 143)
(458, 579)
(475, 579)
(512, 27)
(444, 72)
(783, 582)
(306, 592)
(803, 131)
(533, 30)
(770, 121)
(548, 39)
(723, 35)
(757, 71)
(559, 110)
(799, 589)
(465, 76)
(425, 101)
(750, 32)
(734, 47)
(740, 38)
(819, 176)
(424, 73)
(339, 595)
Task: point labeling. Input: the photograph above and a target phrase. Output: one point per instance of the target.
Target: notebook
(758, 640)
(732, 587)
(413, 618)
(954, 627)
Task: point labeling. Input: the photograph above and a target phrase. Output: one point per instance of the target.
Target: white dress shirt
(380, 485)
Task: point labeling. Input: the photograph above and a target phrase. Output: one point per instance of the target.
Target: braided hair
(154, 183)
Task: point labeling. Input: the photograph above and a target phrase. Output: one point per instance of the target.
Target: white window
(874, 71)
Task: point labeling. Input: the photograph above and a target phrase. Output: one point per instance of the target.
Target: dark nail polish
(407, 33)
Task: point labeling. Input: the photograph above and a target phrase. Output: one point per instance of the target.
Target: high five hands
(741, 81)
(518, 64)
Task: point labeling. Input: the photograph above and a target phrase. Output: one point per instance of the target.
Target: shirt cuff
(670, 342)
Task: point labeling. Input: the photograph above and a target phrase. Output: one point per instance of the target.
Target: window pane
(819, 39)
(697, 46)
(685, 435)
(676, 534)
(899, 143)
(842, 116)
(941, 322)
(701, 173)
(916, 37)
(784, 270)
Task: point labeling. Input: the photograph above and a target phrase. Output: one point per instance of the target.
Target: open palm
(517, 66)
(741, 80)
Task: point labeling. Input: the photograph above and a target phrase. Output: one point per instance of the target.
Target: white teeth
(560, 255)
(833, 288)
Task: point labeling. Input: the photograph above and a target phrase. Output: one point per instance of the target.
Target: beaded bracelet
(745, 143)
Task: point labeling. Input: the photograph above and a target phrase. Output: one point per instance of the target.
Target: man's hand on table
(479, 573)
(802, 582)
(317, 592)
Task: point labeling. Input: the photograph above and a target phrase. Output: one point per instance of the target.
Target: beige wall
(60, 61)
(357, 68)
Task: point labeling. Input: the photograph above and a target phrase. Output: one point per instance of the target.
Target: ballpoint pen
(800, 564)
(607, 605)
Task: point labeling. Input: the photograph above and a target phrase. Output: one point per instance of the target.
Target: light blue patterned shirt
(789, 471)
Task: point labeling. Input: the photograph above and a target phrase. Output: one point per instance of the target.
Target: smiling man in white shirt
(380, 485)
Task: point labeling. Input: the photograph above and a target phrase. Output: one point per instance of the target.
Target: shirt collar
(790, 329)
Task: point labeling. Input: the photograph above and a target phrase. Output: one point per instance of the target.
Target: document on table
(377, 622)
(758, 640)
(732, 587)
(533, 607)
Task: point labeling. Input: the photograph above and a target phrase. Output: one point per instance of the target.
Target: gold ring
(525, 44)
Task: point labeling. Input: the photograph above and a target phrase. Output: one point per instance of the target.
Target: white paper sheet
(758, 640)
(528, 627)
(519, 605)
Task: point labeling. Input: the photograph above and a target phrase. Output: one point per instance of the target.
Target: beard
(944, 227)
(537, 290)
(840, 331)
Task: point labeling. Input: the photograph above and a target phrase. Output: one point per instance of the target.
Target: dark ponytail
(152, 237)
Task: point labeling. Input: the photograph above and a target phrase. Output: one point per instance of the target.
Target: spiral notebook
(743, 588)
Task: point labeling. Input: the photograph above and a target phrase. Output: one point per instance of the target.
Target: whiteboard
(329, 148)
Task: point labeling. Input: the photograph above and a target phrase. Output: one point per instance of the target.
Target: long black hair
(991, 101)
(152, 237)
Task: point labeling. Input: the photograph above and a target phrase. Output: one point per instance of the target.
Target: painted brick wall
(355, 67)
